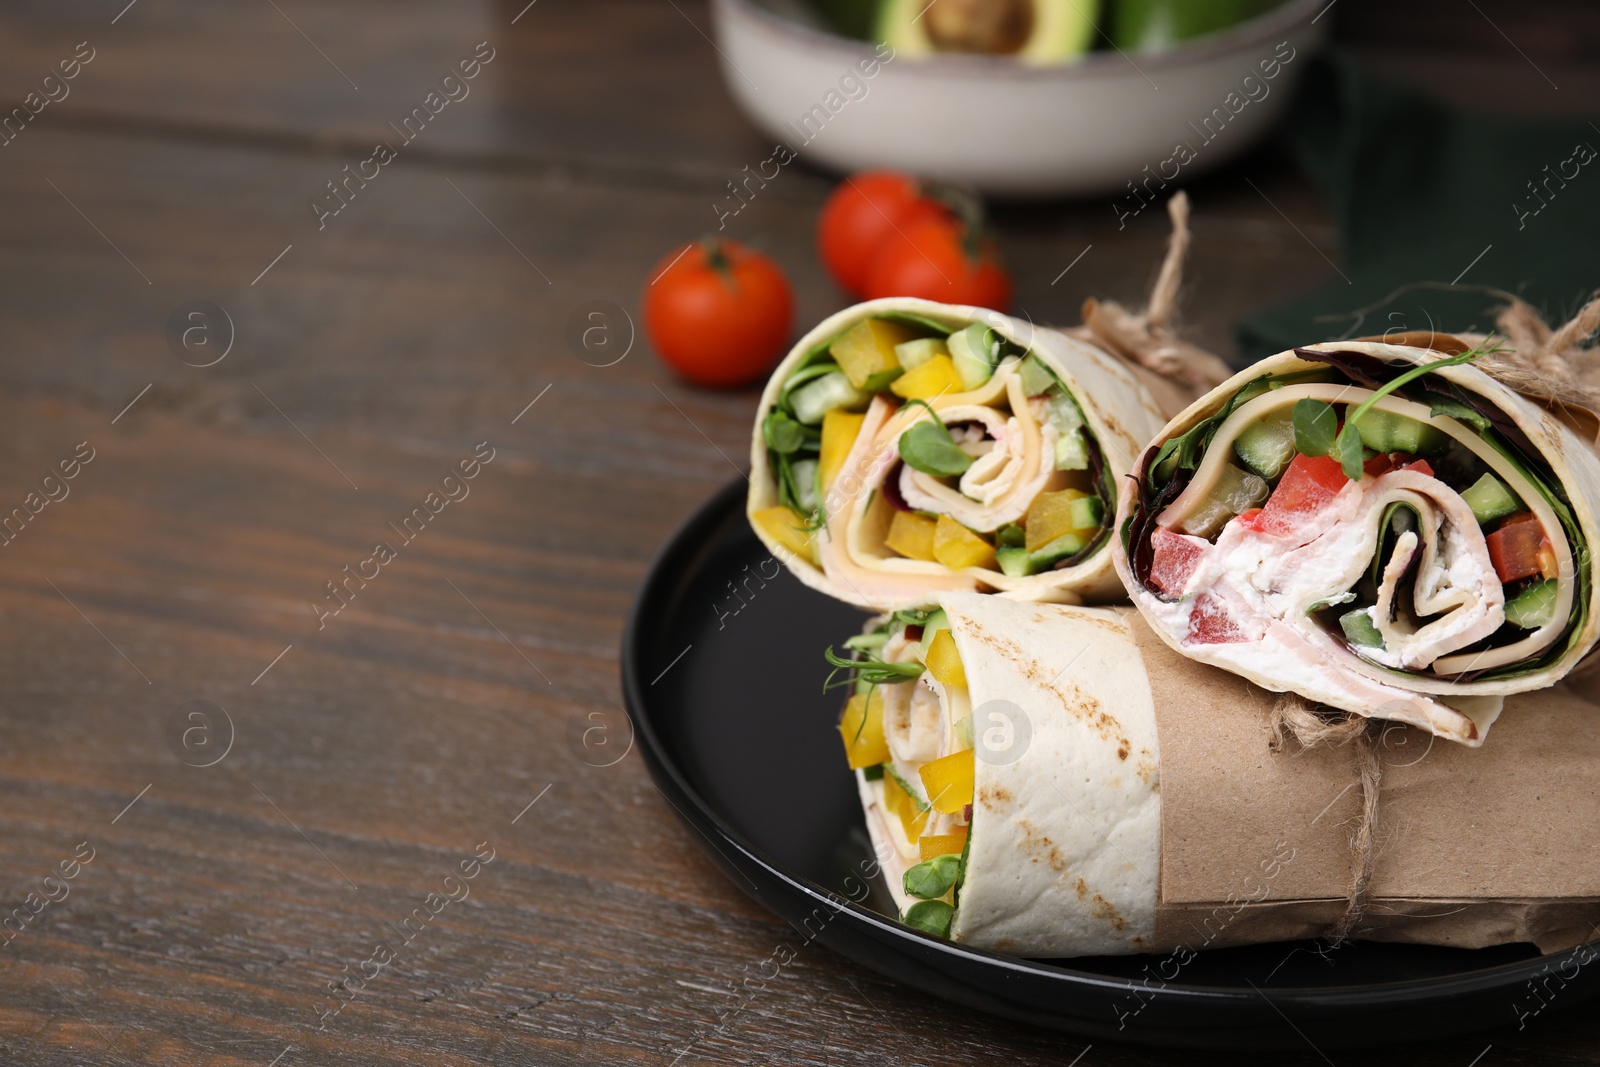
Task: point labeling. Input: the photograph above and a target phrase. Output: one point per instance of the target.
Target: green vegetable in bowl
(1156, 25)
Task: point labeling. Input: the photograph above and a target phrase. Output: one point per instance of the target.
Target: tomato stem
(968, 210)
(717, 259)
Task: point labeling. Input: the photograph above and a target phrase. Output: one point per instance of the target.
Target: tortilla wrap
(1443, 633)
(847, 556)
(1061, 760)
(1127, 799)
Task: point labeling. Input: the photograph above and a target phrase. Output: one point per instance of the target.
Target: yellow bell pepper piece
(1051, 516)
(957, 547)
(911, 535)
(948, 781)
(788, 529)
(862, 731)
(943, 661)
(943, 844)
(912, 814)
(927, 380)
(839, 431)
(865, 352)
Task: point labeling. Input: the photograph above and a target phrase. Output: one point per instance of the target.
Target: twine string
(1293, 718)
(1150, 338)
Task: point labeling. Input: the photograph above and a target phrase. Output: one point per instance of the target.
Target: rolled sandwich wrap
(1054, 773)
(1381, 529)
(906, 447)
(1054, 781)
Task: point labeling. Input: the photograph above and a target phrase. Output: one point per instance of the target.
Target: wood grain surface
(363, 757)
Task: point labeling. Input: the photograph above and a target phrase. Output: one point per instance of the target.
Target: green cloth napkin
(1422, 192)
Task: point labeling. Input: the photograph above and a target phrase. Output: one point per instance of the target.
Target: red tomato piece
(864, 211)
(1176, 557)
(1310, 482)
(1307, 486)
(1383, 463)
(1210, 623)
(939, 259)
(1251, 519)
(1516, 547)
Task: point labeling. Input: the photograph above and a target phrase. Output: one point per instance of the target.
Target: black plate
(722, 660)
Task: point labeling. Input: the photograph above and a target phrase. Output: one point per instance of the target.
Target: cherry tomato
(864, 212)
(718, 313)
(936, 260)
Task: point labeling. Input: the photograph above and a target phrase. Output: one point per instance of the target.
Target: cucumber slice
(809, 372)
(1534, 607)
(973, 351)
(805, 483)
(1072, 448)
(1037, 379)
(1267, 447)
(1063, 547)
(1236, 490)
(833, 390)
(1010, 536)
(1359, 628)
(1489, 499)
(1072, 452)
(913, 354)
(1385, 431)
(1015, 561)
(1086, 512)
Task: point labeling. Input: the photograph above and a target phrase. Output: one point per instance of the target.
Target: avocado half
(1034, 31)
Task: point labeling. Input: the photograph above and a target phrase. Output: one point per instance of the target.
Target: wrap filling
(911, 455)
(1361, 508)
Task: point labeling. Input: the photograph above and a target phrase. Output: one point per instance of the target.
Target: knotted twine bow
(1149, 339)
(1548, 365)
(1552, 368)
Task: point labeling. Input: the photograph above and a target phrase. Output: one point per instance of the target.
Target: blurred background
(370, 317)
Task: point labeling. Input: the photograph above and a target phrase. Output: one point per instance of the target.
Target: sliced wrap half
(1051, 781)
(906, 448)
(1403, 544)
(1041, 784)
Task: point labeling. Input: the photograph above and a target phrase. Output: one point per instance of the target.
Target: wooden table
(268, 789)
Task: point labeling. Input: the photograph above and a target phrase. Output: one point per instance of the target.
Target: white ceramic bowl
(1089, 127)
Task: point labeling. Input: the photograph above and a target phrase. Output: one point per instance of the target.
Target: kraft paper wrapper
(1475, 846)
